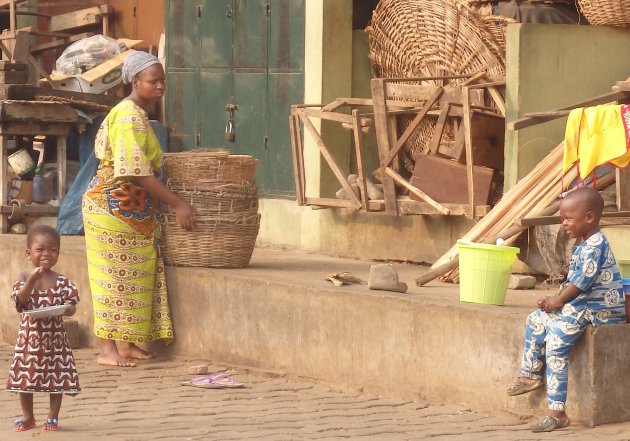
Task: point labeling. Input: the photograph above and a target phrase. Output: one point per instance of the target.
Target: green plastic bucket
(484, 272)
(624, 267)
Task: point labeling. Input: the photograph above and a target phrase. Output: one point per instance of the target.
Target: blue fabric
(549, 337)
(70, 218)
(594, 270)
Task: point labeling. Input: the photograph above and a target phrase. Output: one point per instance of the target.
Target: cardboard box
(99, 79)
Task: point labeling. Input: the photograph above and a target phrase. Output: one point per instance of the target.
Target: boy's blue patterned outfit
(549, 337)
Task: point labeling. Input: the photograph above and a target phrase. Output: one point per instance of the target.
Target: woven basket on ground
(420, 38)
(606, 12)
(222, 190)
(497, 26)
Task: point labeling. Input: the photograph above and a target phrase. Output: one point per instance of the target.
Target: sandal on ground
(52, 425)
(521, 387)
(216, 381)
(549, 424)
(20, 426)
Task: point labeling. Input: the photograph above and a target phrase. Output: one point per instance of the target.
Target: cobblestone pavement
(150, 403)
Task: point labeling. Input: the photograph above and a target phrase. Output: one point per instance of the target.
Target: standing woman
(122, 230)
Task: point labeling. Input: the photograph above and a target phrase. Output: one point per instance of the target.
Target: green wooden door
(248, 53)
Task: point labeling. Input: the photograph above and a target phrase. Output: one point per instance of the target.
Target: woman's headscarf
(135, 63)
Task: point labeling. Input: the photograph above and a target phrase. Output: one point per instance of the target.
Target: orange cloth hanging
(595, 136)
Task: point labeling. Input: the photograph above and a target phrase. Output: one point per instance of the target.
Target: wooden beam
(330, 116)
(467, 123)
(330, 203)
(554, 220)
(35, 210)
(412, 126)
(296, 162)
(332, 163)
(600, 99)
(622, 187)
(498, 99)
(4, 181)
(383, 142)
(78, 19)
(434, 144)
(413, 189)
(358, 148)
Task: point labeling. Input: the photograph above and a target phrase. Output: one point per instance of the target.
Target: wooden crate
(445, 181)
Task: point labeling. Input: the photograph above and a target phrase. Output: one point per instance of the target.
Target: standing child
(43, 359)
(592, 294)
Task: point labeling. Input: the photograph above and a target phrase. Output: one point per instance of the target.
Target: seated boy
(592, 293)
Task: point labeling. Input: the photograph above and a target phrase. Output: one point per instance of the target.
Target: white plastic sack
(86, 54)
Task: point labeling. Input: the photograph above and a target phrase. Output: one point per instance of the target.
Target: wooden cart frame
(392, 97)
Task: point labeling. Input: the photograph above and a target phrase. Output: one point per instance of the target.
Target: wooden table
(30, 118)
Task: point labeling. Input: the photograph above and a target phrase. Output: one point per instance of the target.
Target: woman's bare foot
(114, 360)
(130, 350)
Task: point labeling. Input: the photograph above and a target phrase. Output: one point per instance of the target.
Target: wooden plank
(622, 187)
(59, 42)
(44, 112)
(4, 4)
(78, 19)
(552, 114)
(32, 209)
(330, 202)
(13, 76)
(383, 143)
(421, 194)
(498, 99)
(439, 129)
(61, 167)
(412, 126)
(28, 128)
(330, 116)
(408, 206)
(358, 148)
(4, 183)
(467, 123)
(7, 65)
(600, 99)
(29, 92)
(299, 136)
(332, 163)
(296, 162)
(553, 220)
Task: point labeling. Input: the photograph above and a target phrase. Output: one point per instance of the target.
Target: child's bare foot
(114, 360)
(130, 350)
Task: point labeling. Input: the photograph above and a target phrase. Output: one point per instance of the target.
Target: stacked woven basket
(222, 190)
(432, 38)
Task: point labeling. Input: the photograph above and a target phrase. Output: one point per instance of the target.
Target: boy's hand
(553, 304)
(542, 302)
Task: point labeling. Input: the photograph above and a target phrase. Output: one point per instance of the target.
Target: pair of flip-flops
(216, 381)
(52, 425)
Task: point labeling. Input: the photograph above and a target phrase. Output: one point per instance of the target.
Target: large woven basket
(222, 190)
(428, 38)
(606, 12)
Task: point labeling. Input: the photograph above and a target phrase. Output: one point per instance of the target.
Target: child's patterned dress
(43, 360)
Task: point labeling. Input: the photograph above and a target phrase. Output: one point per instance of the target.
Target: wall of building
(550, 66)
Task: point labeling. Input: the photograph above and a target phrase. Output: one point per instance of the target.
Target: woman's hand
(185, 214)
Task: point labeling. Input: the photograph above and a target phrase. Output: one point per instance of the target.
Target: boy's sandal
(52, 425)
(549, 423)
(20, 426)
(521, 387)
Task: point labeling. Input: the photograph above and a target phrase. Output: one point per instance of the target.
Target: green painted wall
(550, 66)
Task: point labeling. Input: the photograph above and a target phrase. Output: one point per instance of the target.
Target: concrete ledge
(281, 314)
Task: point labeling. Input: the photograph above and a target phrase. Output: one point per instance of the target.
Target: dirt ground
(150, 403)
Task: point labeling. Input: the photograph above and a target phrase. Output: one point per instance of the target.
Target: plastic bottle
(38, 186)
